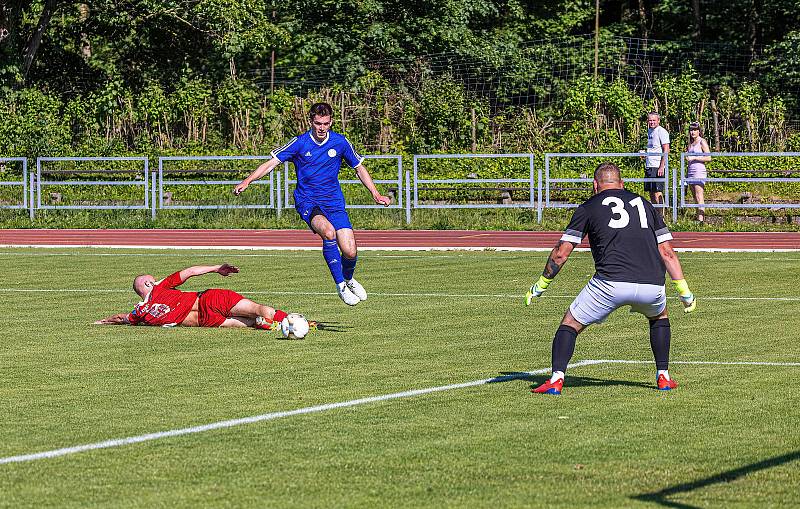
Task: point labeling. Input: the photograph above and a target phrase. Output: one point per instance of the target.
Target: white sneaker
(356, 288)
(347, 296)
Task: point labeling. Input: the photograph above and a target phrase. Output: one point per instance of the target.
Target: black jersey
(624, 231)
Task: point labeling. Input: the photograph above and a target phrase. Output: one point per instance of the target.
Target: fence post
(408, 197)
(539, 197)
(38, 182)
(416, 195)
(153, 195)
(278, 188)
(30, 193)
(161, 181)
(547, 179)
(286, 183)
(674, 195)
(531, 182)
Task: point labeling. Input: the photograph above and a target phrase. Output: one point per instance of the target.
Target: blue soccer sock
(330, 250)
(348, 266)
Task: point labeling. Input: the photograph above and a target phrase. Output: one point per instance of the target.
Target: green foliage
(442, 106)
(679, 99)
(32, 125)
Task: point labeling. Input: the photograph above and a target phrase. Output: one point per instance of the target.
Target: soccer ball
(294, 326)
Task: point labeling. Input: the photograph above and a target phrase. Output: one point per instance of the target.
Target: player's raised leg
(330, 251)
(349, 251)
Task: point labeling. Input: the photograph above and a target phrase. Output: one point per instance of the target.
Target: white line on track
(380, 248)
(82, 254)
(393, 294)
(299, 248)
(119, 442)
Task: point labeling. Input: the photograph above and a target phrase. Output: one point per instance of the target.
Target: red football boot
(264, 324)
(550, 387)
(664, 384)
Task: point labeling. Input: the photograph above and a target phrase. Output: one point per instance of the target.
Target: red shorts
(214, 306)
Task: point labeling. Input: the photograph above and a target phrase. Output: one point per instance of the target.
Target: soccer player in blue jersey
(317, 155)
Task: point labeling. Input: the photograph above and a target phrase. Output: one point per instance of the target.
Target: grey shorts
(600, 298)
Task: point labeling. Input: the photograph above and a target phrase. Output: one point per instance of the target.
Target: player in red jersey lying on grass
(166, 306)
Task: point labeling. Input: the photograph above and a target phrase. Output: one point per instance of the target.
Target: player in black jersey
(631, 250)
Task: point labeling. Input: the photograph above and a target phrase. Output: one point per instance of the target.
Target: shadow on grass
(571, 381)
(661, 497)
(333, 327)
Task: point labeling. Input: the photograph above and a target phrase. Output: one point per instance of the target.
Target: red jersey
(165, 306)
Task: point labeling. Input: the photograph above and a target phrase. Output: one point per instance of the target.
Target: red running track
(372, 239)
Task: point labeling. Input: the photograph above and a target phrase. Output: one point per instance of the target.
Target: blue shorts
(336, 214)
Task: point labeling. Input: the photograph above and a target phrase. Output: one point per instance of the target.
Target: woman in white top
(697, 174)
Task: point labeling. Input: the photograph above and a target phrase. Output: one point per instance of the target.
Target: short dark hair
(320, 110)
(607, 172)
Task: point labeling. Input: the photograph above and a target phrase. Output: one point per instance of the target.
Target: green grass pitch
(727, 437)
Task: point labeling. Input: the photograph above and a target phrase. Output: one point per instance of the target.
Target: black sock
(563, 347)
(659, 342)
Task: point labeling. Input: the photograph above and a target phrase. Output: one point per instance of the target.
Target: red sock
(279, 316)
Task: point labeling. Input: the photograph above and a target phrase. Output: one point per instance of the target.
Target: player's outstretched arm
(675, 272)
(558, 257)
(366, 179)
(118, 319)
(199, 270)
(259, 172)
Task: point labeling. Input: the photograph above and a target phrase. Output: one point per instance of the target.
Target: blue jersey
(317, 165)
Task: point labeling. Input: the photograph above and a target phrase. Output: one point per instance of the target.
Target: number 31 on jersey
(618, 209)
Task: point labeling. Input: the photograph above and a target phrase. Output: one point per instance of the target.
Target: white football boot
(346, 295)
(356, 288)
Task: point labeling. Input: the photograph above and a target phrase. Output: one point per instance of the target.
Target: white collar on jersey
(320, 143)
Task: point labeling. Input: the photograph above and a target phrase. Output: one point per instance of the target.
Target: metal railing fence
(669, 191)
(13, 184)
(498, 184)
(143, 182)
(538, 186)
(289, 181)
(163, 180)
(686, 180)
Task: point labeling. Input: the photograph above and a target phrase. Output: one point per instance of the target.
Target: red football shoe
(550, 388)
(264, 324)
(664, 384)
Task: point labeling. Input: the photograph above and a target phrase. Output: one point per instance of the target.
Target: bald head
(607, 176)
(143, 284)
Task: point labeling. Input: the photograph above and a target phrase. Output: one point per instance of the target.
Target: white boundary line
(377, 248)
(265, 417)
(704, 363)
(119, 442)
(378, 294)
(273, 254)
